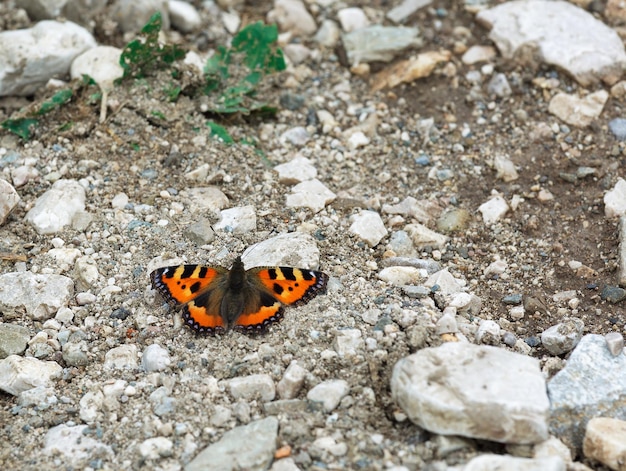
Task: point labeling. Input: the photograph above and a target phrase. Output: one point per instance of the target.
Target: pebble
(155, 358)
(563, 34)
(162, 404)
(8, 199)
(86, 272)
(401, 244)
(563, 337)
(239, 220)
(481, 392)
(575, 111)
(200, 232)
(328, 394)
(292, 381)
(19, 374)
(478, 53)
(605, 441)
(410, 207)
(132, 15)
(292, 16)
(220, 416)
(494, 209)
(55, 208)
(357, 139)
(369, 227)
(296, 249)
(615, 200)
(613, 294)
(252, 387)
(453, 220)
(13, 339)
(401, 12)
(400, 276)
(75, 353)
(40, 398)
(615, 343)
(297, 136)
(348, 342)
(496, 268)
(590, 385)
(31, 57)
(424, 237)
(311, 194)
(379, 43)
(119, 201)
(505, 168)
(122, 357)
(297, 170)
(430, 266)
(249, 446)
(90, 405)
(488, 333)
(499, 86)
(489, 462)
(447, 324)
(156, 447)
(352, 18)
(184, 16)
(444, 281)
(328, 34)
(41, 296)
(617, 126)
(74, 444)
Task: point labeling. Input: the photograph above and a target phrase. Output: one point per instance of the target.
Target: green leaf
(257, 42)
(145, 54)
(58, 99)
(220, 132)
(20, 126)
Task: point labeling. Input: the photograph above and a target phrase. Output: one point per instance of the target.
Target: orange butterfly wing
(278, 286)
(192, 286)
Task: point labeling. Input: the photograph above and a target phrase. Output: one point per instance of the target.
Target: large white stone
(474, 391)
(18, 374)
(293, 249)
(605, 441)
(615, 200)
(297, 170)
(369, 227)
(576, 111)
(237, 220)
(39, 295)
(56, 207)
(8, 199)
(311, 194)
(73, 444)
(31, 57)
(564, 35)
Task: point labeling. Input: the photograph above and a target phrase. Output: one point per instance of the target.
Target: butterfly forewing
(291, 286)
(183, 283)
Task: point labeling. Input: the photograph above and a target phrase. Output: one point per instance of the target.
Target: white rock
(41, 296)
(329, 393)
(132, 15)
(575, 111)
(330, 445)
(231, 21)
(423, 237)
(357, 139)
(8, 199)
(400, 13)
(21, 175)
(90, 405)
(615, 343)
(352, 18)
(369, 227)
(348, 342)
(122, 357)
(605, 441)
(512, 463)
(497, 267)
(298, 136)
(251, 387)
(505, 168)
(297, 53)
(328, 34)
(479, 392)
(488, 333)
(101, 63)
(19, 374)
(73, 444)
(494, 209)
(297, 170)
(447, 324)
(237, 220)
(86, 272)
(478, 53)
(615, 200)
(563, 337)
(155, 358)
(292, 381)
(40, 396)
(184, 16)
(156, 447)
(311, 194)
(292, 16)
(446, 283)
(379, 43)
(55, 208)
(400, 276)
(293, 249)
(209, 198)
(119, 201)
(563, 34)
(410, 207)
(31, 57)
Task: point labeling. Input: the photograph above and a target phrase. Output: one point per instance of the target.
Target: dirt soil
(141, 155)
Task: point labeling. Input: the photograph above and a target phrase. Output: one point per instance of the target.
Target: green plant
(145, 54)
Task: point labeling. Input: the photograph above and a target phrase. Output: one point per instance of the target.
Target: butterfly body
(214, 299)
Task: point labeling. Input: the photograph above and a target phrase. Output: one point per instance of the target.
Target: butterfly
(214, 299)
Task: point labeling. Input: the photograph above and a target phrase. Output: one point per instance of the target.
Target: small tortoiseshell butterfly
(215, 299)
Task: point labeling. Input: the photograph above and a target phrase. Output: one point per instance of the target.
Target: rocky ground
(469, 216)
